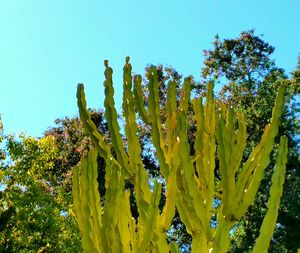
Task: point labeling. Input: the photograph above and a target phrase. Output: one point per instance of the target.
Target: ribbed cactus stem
(269, 222)
(154, 115)
(87, 202)
(221, 240)
(139, 99)
(247, 184)
(112, 122)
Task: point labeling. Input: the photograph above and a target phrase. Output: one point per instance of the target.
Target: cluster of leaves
(39, 217)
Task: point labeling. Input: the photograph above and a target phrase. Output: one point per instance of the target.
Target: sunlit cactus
(107, 224)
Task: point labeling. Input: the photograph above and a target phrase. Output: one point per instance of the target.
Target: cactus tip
(138, 78)
(127, 59)
(106, 63)
(188, 78)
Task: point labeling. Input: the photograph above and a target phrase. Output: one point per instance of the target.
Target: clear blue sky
(47, 47)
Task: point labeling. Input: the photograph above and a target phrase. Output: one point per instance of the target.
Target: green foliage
(243, 59)
(33, 200)
(2, 152)
(106, 223)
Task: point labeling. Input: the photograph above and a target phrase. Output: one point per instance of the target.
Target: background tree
(41, 219)
(7, 211)
(249, 78)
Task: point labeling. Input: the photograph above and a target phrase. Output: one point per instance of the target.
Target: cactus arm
(89, 125)
(198, 205)
(210, 146)
(199, 141)
(114, 183)
(191, 189)
(171, 107)
(142, 189)
(112, 123)
(269, 222)
(174, 247)
(168, 211)
(224, 155)
(186, 182)
(88, 214)
(259, 159)
(185, 209)
(133, 234)
(230, 145)
(173, 149)
(240, 145)
(199, 243)
(134, 148)
(127, 234)
(267, 140)
(151, 218)
(169, 208)
(222, 240)
(159, 243)
(205, 146)
(182, 141)
(154, 113)
(205, 149)
(94, 203)
(142, 193)
(230, 155)
(172, 158)
(81, 217)
(88, 234)
(139, 99)
(185, 95)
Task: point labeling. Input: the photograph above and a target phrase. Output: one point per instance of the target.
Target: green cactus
(107, 225)
(268, 226)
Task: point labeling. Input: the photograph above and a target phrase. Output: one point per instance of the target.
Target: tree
(5, 213)
(249, 78)
(39, 216)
